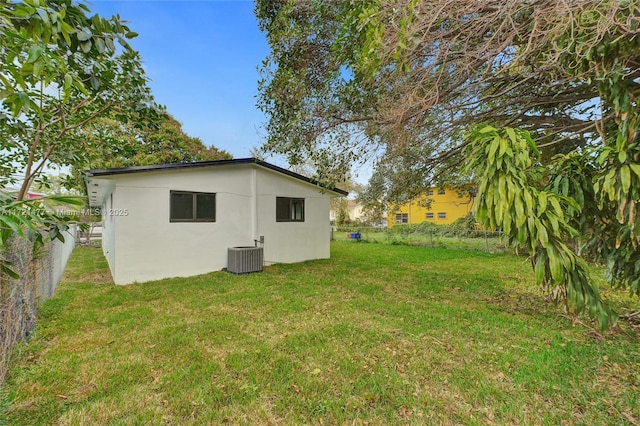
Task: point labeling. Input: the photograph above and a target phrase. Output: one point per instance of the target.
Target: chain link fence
(40, 273)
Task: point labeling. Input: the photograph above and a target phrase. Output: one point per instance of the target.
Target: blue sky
(202, 59)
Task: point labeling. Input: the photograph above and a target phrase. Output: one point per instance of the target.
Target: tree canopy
(346, 80)
(116, 144)
(415, 84)
(60, 69)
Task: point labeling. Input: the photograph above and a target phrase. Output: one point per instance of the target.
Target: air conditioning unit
(243, 260)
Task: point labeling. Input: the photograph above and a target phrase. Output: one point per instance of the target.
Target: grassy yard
(379, 334)
(439, 238)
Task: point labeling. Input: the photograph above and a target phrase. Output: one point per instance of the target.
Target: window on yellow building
(429, 192)
(402, 218)
(442, 215)
(441, 191)
(430, 215)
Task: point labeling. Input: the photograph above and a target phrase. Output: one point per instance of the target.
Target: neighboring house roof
(178, 166)
(29, 195)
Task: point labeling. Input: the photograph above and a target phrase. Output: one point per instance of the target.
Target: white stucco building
(177, 220)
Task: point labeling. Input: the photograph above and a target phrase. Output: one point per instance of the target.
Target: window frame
(429, 215)
(441, 191)
(194, 200)
(442, 215)
(429, 192)
(291, 202)
(402, 215)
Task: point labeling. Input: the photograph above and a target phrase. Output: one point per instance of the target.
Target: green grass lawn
(378, 334)
(437, 238)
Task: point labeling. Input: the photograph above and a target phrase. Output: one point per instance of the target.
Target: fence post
(51, 267)
(486, 240)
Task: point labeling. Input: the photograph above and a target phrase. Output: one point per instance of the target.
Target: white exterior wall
(141, 244)
(149, 247)
(287, 242)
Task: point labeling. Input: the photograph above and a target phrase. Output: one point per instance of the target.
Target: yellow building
(446, 206)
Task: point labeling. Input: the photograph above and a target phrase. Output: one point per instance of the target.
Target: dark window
(192, 207)
(442, 215)
(441, 191)
(430, 215)
(289, 209)
(429, 192)
(206, 207)
(402, 218)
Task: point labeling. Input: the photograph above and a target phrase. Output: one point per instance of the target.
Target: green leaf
(67, 199)
(543, 237)
(23, 10)
(521, 217)
(502, 192)
(66, 87)
(60, 236)
(66, 29)
(556, 206)
(503, 147)
(532, 144)
(506, 224)
(100, 45)
(11, 223)
(14, 104)
(528, 200)
(487, 129)
(522, 235)
(495, 144)
(542, 202)
(553, 220)
(622, 156)
(555, 265)
(78, 85)
(512, 134)
(4, 268)
(625, 178)
(83, 35)
(29, 220)
(86, 46)
(25, 102)
(531, 226)
(603, 318)
(110, 44)
(635, 168)
(565, 187)
(34, 53)
(38, 67)
(95, 82)
(572, 203)
(97, 22)
(603, 156)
